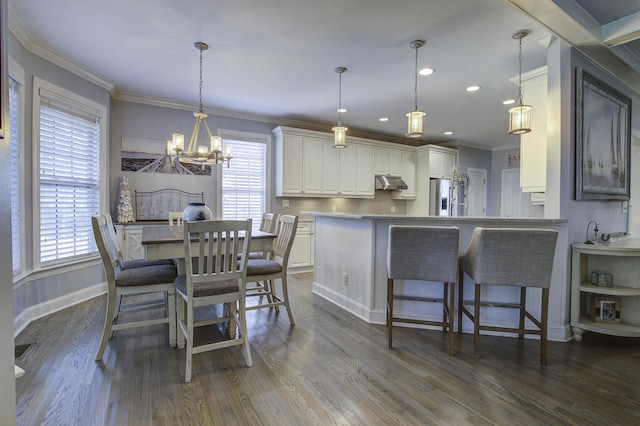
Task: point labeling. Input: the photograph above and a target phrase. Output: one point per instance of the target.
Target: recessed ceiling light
(472, 88)
(341, 110)
(509, 102)
(448, 133)
(383, 119)
(426, 71)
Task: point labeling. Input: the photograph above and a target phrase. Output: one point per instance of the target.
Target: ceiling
(274, 61)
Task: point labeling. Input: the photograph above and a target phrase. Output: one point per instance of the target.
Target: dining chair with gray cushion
(218, 277)
(427, 254)
(142, 282)
(268, 224)
(267, 271)
(520, 257)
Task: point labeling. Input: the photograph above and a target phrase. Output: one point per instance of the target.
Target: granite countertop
(439, 219)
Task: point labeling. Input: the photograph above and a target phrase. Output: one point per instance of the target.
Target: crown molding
(505, 147)
(28, 42)
(276, 121)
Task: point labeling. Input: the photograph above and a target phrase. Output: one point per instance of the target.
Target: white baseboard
(32, 313)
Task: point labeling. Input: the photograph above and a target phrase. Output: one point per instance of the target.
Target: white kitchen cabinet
(357, 178)
(311, 165)
(408, 174)
(330, 168)
(533, 145)
(620, 259)
(302, 251)
(130, 238)
(442, 163)
(298, 165)
(388, 161)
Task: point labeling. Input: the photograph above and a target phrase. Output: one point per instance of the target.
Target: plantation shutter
(244, 183)
(69, 178)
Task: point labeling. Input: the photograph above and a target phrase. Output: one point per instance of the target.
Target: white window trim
(17, 73)
(89, 105)
(249, 137)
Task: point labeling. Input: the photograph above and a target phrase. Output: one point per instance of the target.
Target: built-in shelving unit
(620, 259)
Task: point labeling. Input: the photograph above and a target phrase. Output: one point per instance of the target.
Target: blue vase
(196, 211)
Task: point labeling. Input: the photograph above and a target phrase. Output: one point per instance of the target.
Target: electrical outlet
(285, 203)
(333, 208)
(345, 278)
(393, 209)
(625, 207)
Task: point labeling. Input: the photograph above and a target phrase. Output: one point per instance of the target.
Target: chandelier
(415, 118)
(520, 115)
(340, 131)
(210, 154)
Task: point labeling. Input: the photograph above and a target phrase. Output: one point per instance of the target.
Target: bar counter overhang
(350, 269)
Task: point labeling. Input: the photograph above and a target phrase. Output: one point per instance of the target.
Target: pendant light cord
(201, 110)
(415, 87)
(520, 72)
(340, 99)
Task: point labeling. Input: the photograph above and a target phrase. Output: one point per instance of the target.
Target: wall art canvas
(150, 156)
(603, 140)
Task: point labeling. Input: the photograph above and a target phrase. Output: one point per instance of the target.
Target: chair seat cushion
(141, 263)
(147, 275)
(257, 267)
(207, 288)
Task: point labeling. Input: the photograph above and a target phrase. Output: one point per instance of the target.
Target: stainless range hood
(390, 183)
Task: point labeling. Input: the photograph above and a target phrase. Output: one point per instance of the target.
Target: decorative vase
(196, 211)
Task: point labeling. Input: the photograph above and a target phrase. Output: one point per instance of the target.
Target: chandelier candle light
(194, 153)
(340, 131)
(415, 118)
(520, 115)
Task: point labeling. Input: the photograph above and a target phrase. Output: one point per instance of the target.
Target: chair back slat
(286, 232)
(213, 246)
(269, 222)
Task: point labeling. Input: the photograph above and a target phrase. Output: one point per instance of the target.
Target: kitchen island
(350, 269)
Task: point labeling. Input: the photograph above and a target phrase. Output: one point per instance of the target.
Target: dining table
(167, 242)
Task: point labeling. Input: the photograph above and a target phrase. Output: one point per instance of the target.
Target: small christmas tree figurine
(125, 206)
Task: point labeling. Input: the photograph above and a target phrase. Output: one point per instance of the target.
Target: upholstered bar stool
(423, 253)
(508, 257)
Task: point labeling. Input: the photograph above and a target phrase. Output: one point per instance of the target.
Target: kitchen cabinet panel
(408, 174)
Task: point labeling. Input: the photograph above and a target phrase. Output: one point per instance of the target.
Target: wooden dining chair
(175, 218)
(267, 271)
(215, 275)
(134, 281)
(267, 224)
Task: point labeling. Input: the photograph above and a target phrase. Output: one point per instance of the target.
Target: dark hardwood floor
(331, 368)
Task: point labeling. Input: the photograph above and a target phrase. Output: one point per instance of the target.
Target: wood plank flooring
(330, 369)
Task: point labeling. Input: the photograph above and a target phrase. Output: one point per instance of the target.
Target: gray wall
(39, 288)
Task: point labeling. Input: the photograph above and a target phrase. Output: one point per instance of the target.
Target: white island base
(350, 270)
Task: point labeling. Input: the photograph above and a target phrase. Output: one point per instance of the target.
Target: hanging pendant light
(415, 118)
(340, 131)
(520, 115)
(208, 154)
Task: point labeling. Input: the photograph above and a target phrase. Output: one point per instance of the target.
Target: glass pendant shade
(519, 119)
(415, 120)
(339, 137)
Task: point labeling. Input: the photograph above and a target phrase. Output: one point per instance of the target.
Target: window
(244, 182)
(70, 167)
(15, 136)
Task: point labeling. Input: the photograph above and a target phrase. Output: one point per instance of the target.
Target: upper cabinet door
(330, 168)
(289, 165)
(311, 165)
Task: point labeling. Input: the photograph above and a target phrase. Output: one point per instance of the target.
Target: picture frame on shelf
(603, 140)
(605, 309)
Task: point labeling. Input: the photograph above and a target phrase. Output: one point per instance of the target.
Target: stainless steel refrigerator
(441, 197)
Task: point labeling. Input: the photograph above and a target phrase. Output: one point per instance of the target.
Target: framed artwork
(603, 140)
